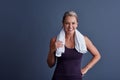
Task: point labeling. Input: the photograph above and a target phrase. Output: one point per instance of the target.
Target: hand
(55, 45)
(58, 44)
(84, 70)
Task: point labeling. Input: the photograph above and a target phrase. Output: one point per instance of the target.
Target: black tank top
(68, 65)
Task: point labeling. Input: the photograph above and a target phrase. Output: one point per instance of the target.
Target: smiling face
(70, 24)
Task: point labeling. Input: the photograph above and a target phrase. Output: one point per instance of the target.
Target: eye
(66, 23)
(73, 23)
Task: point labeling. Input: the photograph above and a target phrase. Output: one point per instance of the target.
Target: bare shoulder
(86, 38)
(53, 40)
(88, 41)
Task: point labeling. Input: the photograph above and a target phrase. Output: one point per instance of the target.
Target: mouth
(70, 29)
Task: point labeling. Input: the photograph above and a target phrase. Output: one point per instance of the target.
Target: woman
(69, 62)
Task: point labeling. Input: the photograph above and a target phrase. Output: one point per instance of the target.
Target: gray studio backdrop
(26, 27)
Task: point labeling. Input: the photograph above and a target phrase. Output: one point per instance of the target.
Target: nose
(70, 26)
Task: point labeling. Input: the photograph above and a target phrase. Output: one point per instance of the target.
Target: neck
(69, 37)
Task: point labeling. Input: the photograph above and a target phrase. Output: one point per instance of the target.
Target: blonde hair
(70, 13)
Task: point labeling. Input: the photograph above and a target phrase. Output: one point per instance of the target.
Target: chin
(70, 32)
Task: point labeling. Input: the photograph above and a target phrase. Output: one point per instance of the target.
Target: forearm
(51, 59)
(94, 52)
(92, 62)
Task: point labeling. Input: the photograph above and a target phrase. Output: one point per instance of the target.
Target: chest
(69, 44)
(71, 54)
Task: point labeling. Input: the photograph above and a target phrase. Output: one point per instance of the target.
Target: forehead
(70, 18)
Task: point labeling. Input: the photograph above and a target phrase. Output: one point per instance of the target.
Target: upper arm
(90, 46)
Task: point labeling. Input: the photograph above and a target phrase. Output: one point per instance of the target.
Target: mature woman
(67, 49)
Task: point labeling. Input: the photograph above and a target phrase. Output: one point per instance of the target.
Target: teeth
(70, 29)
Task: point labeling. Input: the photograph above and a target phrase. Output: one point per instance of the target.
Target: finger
(58, 44)
(83, 75)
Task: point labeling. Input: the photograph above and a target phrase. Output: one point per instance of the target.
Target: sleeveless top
(68, 65)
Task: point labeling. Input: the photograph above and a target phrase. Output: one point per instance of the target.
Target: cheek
(75, 26)
(65, 26)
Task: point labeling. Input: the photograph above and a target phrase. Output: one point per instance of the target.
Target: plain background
(26, 27)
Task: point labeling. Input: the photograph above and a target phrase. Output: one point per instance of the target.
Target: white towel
(80, 45)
